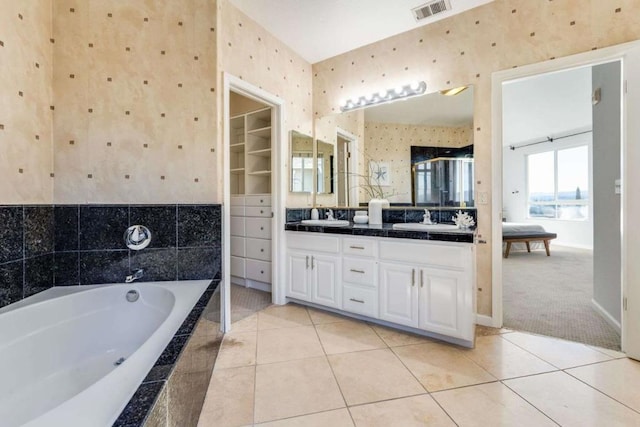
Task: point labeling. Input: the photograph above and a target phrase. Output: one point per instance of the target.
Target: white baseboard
(484, 320)
(606, 316)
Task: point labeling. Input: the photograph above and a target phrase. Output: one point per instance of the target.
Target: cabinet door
(444, 302)
(298, 284)
(398, 294)
(326, 288)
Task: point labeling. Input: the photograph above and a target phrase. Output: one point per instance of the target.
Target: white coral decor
(463, 220)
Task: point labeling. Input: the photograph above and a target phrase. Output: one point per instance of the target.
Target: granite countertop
(385, 230)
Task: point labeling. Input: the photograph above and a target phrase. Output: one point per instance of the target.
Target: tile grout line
(532, 405)
(326, 356)
(600, 391)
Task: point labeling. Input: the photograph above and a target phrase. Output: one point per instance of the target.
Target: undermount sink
(326, 222)
(418, 226)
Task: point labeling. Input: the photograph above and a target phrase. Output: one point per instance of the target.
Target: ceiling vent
(430, 9)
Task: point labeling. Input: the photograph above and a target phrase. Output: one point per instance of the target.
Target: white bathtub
(58, 349)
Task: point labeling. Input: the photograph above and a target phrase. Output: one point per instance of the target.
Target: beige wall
(248, 51)
(391, 143)
(26, 147)
(135, 101)
(466, 49)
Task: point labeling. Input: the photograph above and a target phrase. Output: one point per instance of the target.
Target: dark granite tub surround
(26, 251)
(46, 245)
(185, 244)
(153, 394)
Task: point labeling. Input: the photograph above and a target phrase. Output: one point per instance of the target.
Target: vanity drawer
(237, 226)
(360, 300)
(425, 253)
(359, 271)
(260, 200)
(237, 201)
(362, 247)
(259, 249)
(258, 227)
(237, 246)
(259, 270)
(258, 211)
(312, 242)
(237, 210)
(237, 266)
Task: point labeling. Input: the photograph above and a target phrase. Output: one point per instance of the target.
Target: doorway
(253, 202)
(561, 158)
(347, 168)
(629, 53)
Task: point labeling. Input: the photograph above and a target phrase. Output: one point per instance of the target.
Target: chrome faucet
(135, 276)
(330, 215)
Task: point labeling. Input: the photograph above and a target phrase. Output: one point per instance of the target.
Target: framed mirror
(424, 146)
(301, 166)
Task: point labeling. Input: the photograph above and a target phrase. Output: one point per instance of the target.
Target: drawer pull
(261, 211)
(261, 271)
(413, 277)
(356, 247)
(357, 271)
(262, 250)
(356, 300)
(312, 265)
(422, 278)
(307, 261)
(261, 228)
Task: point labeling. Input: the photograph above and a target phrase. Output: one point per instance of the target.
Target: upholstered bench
(527, 237)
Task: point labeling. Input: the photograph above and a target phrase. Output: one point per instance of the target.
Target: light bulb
(415, 86)
(399, 90)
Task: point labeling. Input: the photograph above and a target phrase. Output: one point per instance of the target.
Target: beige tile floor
(289, 366)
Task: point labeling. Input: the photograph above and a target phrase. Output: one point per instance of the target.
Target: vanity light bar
(401, 92)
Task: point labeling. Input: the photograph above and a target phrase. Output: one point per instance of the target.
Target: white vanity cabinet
(428, 286)
(423, 285)
(313, 267)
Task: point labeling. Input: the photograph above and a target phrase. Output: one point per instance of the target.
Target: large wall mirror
(420, 150)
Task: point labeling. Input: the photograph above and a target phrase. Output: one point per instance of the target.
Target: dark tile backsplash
(43, 246)
(394, 215)
(161, 220)
(11, 233)
(103, 227)
(38, 230)
(66, 228)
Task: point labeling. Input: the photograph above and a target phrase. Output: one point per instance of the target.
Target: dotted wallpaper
(391, 143)
(466, 49)
(135, 101)
(248, 51)
(26, 147)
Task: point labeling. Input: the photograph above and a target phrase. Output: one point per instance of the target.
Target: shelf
(266, 152)
(260, 173)
(237, 171)
(263, 132)
(236, 148)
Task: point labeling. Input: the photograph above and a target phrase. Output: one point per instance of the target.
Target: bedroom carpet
(552, 296)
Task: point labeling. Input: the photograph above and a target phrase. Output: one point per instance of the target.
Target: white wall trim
(484, 320)
(278, 186)
(588, 58)
(353, 166)
(606, 316)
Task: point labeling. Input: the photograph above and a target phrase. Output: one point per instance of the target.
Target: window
(558, 184)
(302, 172)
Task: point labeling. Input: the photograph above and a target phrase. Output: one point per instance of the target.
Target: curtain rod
(549, 139)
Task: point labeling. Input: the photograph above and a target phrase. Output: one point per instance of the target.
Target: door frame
(589, 58)
(278, 191)
(352, 179)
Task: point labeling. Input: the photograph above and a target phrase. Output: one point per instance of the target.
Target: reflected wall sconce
(454, 91)
(401, 92)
